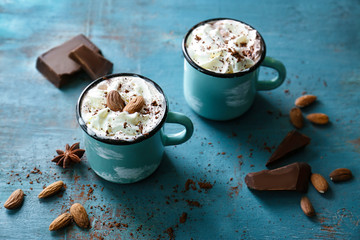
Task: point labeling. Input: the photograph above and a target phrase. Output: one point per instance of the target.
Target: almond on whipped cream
(122, 125)
(224, 46)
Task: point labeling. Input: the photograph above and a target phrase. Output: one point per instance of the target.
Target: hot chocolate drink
(224, 46)
(122, 108)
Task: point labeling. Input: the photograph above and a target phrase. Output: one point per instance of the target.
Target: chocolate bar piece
(56, 64)
(93, 63)
(293, 142)
(292, 177)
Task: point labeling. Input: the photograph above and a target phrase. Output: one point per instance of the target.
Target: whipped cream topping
(224, 46)
(121, 125)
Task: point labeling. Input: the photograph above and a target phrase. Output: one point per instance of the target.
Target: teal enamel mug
(121, 161)
(225, 96)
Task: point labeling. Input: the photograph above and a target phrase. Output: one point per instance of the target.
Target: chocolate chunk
(293, 177)
(93, 63)
(56, 65)
(293, 142)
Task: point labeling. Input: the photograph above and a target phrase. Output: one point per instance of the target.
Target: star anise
(71, 154)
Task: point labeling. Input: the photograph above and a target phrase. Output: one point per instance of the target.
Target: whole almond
(114, 101)
(15, 200)
(61, 221)
(319, 182)
(296, 117)
(307, 207)
(134, 105)
(318, 118)
(51, 189)
(80, 216)
(305, 100)
(340, 175)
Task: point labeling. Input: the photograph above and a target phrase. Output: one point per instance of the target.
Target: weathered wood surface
(319, 43)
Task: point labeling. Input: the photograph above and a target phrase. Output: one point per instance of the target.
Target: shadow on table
(151, 206)
(79, 79)
(264, 122)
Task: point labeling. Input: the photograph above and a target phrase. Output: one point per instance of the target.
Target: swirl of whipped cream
(224, 46)
(122, 125)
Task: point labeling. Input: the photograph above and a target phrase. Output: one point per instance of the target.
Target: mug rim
(223, 75)
(84, 127)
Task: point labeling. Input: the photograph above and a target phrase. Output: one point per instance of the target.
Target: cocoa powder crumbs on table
(183, 217)
(267, 149)
(193, 203)
(190, 183)
(270, 112)
(205, 185)
(36, 170)
(170, 232)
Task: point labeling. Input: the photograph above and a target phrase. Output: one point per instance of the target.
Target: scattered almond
(305, 100)
(80, 216)
(114, 101)
(61, 221)
(135, 105)
(307, 207)
(15, 200)
(318, 118)
(319, 182)
(296, 117)
(51, 189)
(340, 175)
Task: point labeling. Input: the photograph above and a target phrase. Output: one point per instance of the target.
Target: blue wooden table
(319, 44)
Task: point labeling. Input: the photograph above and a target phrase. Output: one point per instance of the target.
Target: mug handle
(275, 82)
(180, 137)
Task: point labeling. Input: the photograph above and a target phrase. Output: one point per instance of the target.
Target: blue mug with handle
(121, 161)
(225, 96)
